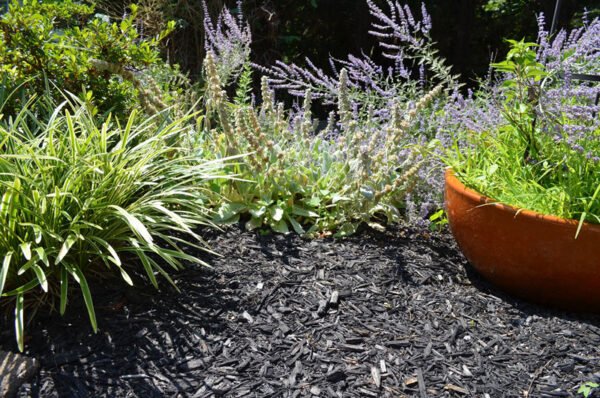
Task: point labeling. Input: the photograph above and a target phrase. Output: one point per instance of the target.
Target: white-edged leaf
(135, 224)
(26, 249)
(41, 277)
(25, 267)
(4, 270)
(145, 261)
(37, 233)
(175, 217)
(42, 255)
(277, 213)
(126, 277)
(114, 257)
(87, 296)
(68, 243)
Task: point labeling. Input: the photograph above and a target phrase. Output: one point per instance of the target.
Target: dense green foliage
(51, 46)
(76, 196)
(519, 164)
(110, 156)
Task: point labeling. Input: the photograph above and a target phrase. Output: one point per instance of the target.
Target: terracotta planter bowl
(530, 255)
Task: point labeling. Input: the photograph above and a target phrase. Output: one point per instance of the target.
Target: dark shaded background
(467, 34)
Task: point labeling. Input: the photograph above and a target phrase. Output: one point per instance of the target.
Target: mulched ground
(380, 314)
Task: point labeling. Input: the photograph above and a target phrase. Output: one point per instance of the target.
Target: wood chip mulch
(378, 315)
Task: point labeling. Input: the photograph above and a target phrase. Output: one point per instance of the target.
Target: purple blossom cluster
(566, 111)
(403, 39)
(229, 39)
(569, 108)
(398, 28)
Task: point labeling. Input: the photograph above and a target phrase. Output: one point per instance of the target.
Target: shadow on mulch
(392, 314)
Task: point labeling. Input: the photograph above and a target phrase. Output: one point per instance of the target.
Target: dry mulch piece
(380, 314)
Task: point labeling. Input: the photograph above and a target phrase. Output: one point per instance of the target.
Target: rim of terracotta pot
(453, 181)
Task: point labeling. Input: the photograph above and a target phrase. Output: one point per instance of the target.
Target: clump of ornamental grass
(353, 171)
(78, 199)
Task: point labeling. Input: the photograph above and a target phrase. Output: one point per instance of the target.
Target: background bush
(49, 46)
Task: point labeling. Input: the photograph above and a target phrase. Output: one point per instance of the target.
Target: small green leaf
(281, 227)
(258, 212)
(347, 229)
(297, 227)
(253, 223)
(229, 210)
(315, 201)
(337, 198)
(367, 192)
(300, 211)
(277, 213)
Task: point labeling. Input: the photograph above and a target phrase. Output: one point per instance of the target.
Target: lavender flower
(229, 40)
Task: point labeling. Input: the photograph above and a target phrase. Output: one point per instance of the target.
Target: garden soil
(389, 314)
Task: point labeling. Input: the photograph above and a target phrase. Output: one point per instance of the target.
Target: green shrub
(77, 196)
(62, 44)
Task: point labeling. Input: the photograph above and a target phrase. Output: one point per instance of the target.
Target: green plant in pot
(523, 200)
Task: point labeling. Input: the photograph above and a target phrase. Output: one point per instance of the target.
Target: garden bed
(379, 314)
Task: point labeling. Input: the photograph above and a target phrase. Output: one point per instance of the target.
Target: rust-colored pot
(525, 253)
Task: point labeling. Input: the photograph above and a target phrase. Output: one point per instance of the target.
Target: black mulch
(393, 314)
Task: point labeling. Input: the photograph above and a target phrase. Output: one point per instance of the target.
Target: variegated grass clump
(355, 170)
(77, 199)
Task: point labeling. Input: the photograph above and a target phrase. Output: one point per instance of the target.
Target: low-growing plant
(296, 176)
(587, 388)
(78, 199)
(365, 164)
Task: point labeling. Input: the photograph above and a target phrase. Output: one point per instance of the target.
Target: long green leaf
(41, 276)
(4, 270)
(26, 249)
(87, 297)
(64, 288)
(588, 207)
(68, 243)
(145, 262)
(42, 255)
(19, 324)
(134, 224)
